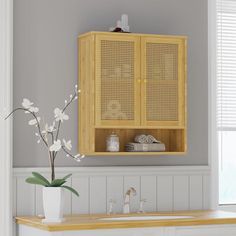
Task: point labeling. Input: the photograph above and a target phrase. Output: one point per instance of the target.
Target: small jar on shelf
(112, 143)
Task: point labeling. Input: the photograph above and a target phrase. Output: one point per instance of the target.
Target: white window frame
(6, 55)
(212, 123)
(212, 128)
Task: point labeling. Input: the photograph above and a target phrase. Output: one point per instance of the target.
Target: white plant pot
(53, 204)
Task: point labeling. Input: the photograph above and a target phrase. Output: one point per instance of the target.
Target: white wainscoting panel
(115, 192)
(181, 193)
(149, 192)
(165, 195)
(195, 192)
(25, 198)
(164, 188)
(81, 204)
(98, 194)
(207, 192)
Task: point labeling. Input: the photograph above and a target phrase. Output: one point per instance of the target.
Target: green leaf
(71, 189)
(33, 180)
(67, 176)
(57, 182)
(39, 176)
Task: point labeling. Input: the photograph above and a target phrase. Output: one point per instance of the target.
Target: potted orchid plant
(53, 189)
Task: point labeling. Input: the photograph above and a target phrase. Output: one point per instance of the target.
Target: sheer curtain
(226, 99)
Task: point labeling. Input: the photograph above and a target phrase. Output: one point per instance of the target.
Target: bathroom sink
(135, 218)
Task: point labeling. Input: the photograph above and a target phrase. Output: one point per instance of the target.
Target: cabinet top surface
(94, 221)
(131, 34)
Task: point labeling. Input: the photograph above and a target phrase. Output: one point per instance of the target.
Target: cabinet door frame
(137, 82)
(181, 42)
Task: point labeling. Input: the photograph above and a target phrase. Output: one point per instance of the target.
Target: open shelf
(172, 138)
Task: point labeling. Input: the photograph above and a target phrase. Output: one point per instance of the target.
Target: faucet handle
(142, 201)
(112, 202)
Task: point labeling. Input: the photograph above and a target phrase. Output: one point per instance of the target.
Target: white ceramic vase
(53, 204)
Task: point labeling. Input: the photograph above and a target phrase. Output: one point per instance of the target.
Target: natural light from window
(226, 99)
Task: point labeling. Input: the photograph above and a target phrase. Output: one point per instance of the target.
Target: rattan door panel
(117, 80)
(162, 81)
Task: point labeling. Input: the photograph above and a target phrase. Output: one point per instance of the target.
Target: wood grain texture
(86, 96)
(93, 129)
(87, 222)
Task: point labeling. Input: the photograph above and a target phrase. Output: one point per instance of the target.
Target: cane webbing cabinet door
(117, 80)
(163, 81)
(131, 84)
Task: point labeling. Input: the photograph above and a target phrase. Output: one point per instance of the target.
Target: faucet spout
(130, 192)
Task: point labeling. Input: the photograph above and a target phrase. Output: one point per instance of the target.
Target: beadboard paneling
(196, 192)
(164, 188)
(165, 193)
(149, 192)
(81, 204)
(181, 193)
(98, 193)
(115, 192)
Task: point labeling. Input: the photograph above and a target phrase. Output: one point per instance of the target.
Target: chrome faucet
(130, 192)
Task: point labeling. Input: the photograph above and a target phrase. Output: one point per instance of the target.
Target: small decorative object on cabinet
(121, 25)
(49, 136)
(132, 84)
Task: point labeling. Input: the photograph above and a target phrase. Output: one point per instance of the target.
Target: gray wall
(45, 67)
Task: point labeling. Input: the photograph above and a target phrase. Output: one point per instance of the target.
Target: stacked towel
(145, 143)
(143, 147)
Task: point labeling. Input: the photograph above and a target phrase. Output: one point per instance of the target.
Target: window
(226, 99)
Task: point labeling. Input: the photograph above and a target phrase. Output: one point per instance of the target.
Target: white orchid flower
(59, 115)
(56, 146)
(34, 109)
(49, 129)
(27, 103)
(34, 121)
(67, 144)
(52, 127)
(78, 157)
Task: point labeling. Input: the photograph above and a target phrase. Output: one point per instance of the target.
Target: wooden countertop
(89, 222)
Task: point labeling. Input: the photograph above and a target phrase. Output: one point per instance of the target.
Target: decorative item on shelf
(121, 25)
(53, 189)
(113, 143)
(142, 138)
(114, 111)
(145, 143)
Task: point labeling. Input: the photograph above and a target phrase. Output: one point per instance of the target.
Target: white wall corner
(6, 49)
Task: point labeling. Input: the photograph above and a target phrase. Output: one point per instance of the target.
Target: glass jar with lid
(112, 143)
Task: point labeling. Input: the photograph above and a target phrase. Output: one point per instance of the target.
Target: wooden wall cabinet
(131, 84)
